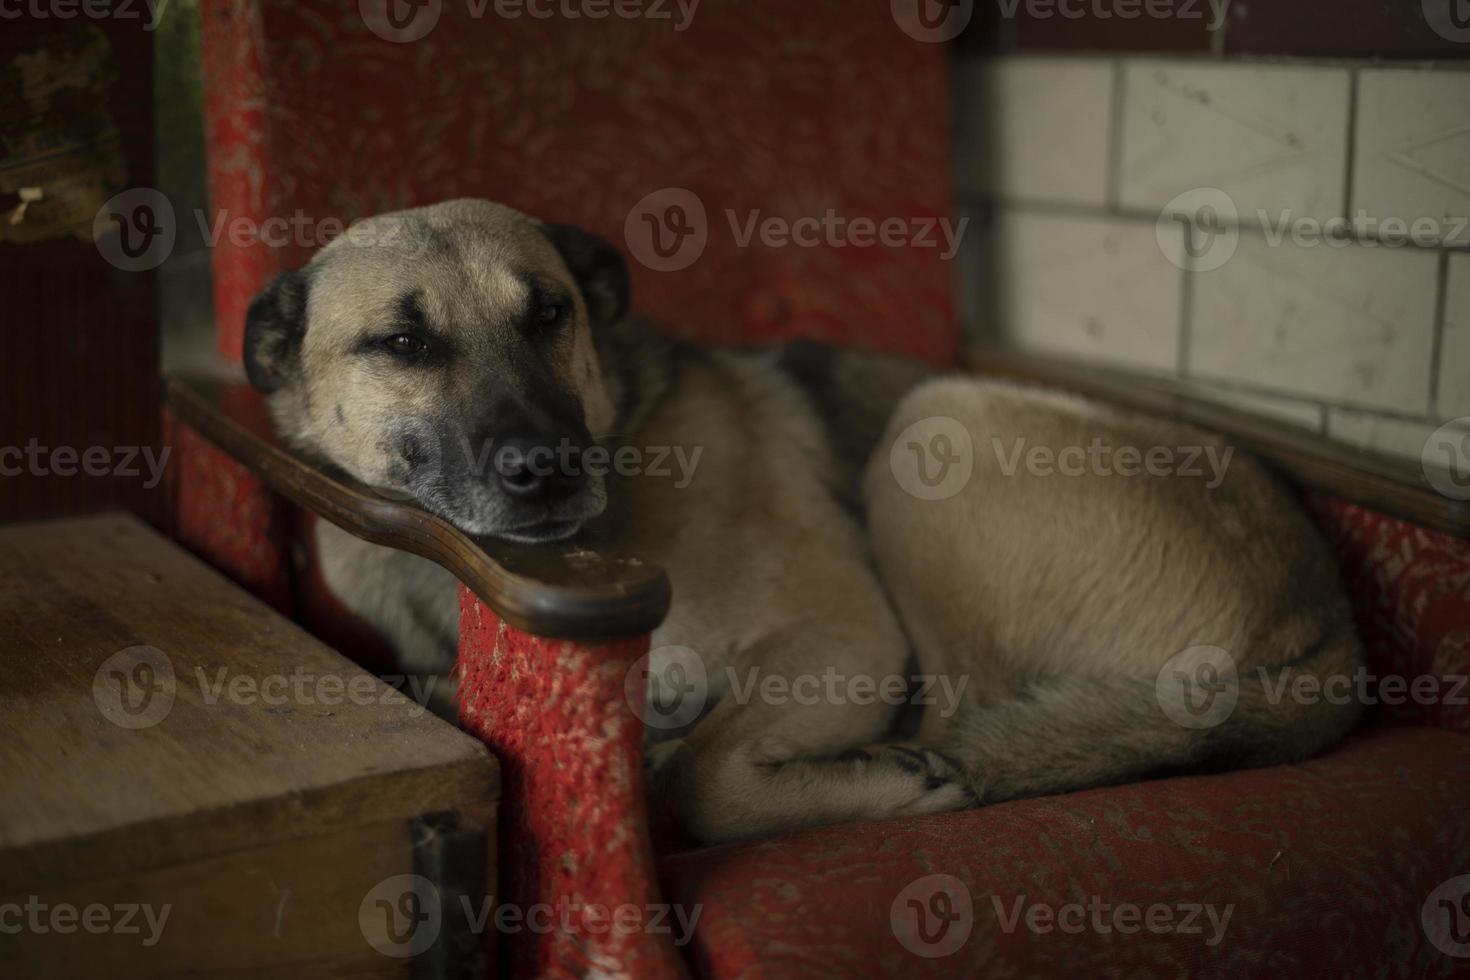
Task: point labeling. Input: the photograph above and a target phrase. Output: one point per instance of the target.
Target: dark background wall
(78, 335)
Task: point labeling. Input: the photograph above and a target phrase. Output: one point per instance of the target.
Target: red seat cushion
(1324, 866)
(1410, 589)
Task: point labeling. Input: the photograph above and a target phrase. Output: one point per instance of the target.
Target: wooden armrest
(1392, 486)
(563, 590)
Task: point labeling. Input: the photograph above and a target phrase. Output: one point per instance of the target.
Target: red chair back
(759, 109)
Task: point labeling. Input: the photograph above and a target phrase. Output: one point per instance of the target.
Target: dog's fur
(794, 550)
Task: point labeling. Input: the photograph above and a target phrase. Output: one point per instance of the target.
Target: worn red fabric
(1410, 588)
(574, 842)
(763, 108)
(1326, 866)
(224, 514)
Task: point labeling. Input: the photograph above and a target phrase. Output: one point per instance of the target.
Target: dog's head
(446, 354)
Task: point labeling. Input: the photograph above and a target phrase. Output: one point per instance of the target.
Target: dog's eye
(548, 314)
(405, 345)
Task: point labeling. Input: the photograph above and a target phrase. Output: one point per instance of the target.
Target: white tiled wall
(1041, 132)
(1120, 293)
(1350, 325)
(1271, 137)
(1454, 353)
(1412, 154)
(1328, 284)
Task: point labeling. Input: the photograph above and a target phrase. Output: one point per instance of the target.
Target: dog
(1056, 605)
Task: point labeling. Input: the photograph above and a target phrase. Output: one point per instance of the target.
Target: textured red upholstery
(1327, 865)
(1411, 591)
(573, 832)
(769, 106)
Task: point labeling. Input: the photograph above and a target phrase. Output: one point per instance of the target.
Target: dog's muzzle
(539, 470)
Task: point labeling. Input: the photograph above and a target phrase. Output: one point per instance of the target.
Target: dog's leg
(1060, 734)
(755, 769)
(794, 738)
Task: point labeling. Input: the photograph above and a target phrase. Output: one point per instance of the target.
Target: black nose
(538, 468)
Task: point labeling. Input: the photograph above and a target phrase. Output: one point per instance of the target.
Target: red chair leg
(579, 892)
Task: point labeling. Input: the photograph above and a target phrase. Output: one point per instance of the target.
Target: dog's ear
(598, 268)
(273, 331)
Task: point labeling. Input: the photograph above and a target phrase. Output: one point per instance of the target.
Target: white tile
(1273, 138)
(1353, 325)
(1394, 437)
(1033, 129)
(1096, 288)
(1412, 150)
(1302, 414)
(1454, 351)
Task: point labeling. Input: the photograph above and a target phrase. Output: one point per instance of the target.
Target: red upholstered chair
(1326, 867)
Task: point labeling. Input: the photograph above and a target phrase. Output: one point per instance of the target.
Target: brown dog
(848, 541)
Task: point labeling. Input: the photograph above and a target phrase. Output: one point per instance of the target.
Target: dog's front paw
(912, 780)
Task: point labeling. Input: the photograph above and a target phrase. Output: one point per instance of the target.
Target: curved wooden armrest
(1392, 486)
(564, 590)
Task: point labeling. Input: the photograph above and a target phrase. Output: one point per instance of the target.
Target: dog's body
(798, 548)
